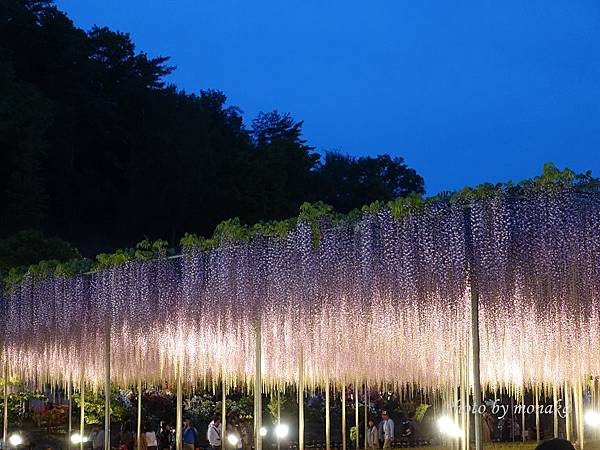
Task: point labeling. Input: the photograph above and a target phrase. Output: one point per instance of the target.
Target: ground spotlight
(263, 431)
(281, 430)
(233, 439)
(77, 439)
(447, 426)
(15, 440)
(592, 418)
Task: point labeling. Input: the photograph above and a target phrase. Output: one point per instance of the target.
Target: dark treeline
(97, 149)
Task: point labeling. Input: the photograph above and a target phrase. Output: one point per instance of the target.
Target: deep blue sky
(465, 91)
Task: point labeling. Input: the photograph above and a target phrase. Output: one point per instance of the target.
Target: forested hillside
(98, 150)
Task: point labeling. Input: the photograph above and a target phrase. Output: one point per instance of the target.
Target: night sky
(465, 91)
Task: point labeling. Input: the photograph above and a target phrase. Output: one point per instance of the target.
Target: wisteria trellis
(380, 300)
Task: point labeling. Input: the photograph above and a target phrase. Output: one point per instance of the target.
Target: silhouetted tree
(24, 119)
(346, 182)
(97, 149)
(283, 163)
(29, 247)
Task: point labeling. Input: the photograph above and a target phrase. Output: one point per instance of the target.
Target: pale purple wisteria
(382, 300)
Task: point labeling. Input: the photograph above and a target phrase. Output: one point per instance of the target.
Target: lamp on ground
(591, 418)
(281, 431)
(15, 440)
(233, 440)
(447, 426)
(76, 438)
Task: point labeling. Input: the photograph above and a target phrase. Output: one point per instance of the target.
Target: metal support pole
(578, 395)
(476, 375)
(356, 414)
(537, 414)
(595, 401)
(139, 416)
(555, 410)
(458, 412)
(463, 412)
(258, 388)
(107, 389)
(475, 360)
(512, 418)
(327, 418)
(81, 412)
(5, 418)
(278, 418)
(568, 413)
(223, 413)
(523, 414)
(301, 401)
(179, 419)
(344, 416)
(366, 411)
(70, 422)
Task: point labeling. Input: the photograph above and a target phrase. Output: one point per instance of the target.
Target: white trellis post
(107, 388)
(327, 417)
(258, 388)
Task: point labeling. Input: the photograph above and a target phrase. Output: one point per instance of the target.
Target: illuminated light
(281, 430)
(592, 418)
(447, 426)
(233, 439)
(15, 440)
(263, 431)
(76, 438)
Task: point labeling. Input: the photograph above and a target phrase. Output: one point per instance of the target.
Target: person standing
(388, 430)
(97, 438)
(372, 436)
(164, 437)
(488, 427)
(126, 436)
(189, 435)
(232, 430)
(246, 432)
(213, 434)
(149, 437)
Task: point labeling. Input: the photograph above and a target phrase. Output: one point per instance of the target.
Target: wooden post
(344, 416)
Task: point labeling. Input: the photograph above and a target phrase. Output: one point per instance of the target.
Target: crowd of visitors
(238, 434)
(162, 439)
